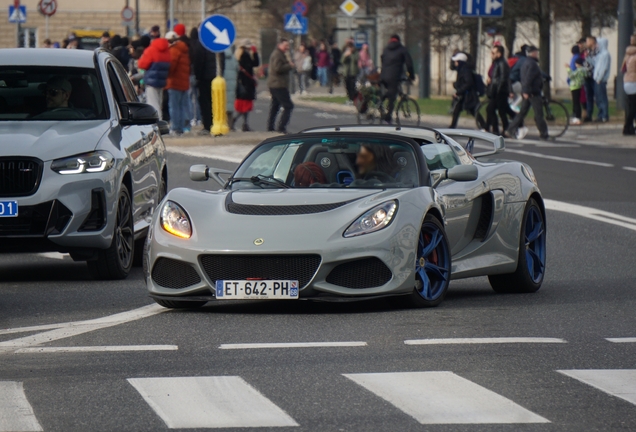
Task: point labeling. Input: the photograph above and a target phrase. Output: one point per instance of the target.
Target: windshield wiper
(260, 180)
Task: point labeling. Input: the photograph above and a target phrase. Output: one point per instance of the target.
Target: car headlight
(377, 218)
(175, 221)
(93, 162)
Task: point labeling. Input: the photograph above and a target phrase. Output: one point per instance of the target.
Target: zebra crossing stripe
(16, 414)
(209, 402)
(616, 382)
(444, 398)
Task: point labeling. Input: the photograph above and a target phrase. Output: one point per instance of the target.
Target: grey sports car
(351, 213)
(82, 162)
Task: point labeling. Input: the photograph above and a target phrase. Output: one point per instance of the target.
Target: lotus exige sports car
(351, 213)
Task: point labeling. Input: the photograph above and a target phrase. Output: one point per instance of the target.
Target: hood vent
(269, 210)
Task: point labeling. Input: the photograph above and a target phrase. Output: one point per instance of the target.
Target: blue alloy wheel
(432, 264)
(531, 262)
(535, 244)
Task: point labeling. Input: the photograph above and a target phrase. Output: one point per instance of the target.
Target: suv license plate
(256, 290)
(8, 208)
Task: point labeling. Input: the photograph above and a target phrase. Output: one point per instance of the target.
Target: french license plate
(8, 208)
(256, 290)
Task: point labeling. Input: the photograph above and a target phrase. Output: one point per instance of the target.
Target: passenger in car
(307, 174)
(374, 159)
(58, 92)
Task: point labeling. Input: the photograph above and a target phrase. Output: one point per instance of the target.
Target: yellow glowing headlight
(175, 221)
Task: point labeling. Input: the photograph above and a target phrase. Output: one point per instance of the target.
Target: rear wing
(467, 138)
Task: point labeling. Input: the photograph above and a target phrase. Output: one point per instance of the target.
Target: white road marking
(591, 213)
(616, 382)
(210, 402)
(444, 398)
(629, 168)
(559, 158)
(70, 329)
(16, 413)
(622, 340)
(499, 340)
(105, 348)
(233, 154)
(53, 255)
(292, 345)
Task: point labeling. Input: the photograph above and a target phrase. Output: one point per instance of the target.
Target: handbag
(242, 69)
(306, 67)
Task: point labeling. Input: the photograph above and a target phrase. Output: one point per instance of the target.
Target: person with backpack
(498, 90)
(516, 63)
(531, 87)
(466, 95)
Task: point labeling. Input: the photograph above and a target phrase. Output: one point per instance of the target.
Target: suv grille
(270, 267)
(363, 273)
(36, 221)
(170, 273)
(19, 176)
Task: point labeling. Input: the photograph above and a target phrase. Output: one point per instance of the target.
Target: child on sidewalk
(577, 81)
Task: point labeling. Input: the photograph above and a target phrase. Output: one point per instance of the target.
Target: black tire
(138, 257)
(443, 258)
(521, 281)
(176, 304)
(557, 117)
(408, 112)
(115, 262)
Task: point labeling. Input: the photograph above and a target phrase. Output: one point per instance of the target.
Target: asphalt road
(187, 374)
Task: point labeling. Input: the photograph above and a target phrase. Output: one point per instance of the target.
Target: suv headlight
(379, 217)
(93, 162)
(175, 220)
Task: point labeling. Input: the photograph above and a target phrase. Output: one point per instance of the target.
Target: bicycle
(555, 113)
(374, 107)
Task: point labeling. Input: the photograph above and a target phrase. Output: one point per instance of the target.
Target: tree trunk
(545, 23)
(586, 19)
(510, 34)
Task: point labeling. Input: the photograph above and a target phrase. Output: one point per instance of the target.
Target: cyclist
(532, 87)
(394, 58)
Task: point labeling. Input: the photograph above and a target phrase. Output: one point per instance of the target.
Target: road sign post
(349, 7)
(216, 34)
(48, 9)
(479, 9)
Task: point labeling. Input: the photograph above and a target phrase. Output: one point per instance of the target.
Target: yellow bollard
(219, 100)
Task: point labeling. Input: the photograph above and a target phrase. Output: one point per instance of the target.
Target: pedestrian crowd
(174, 74)
(515, 85)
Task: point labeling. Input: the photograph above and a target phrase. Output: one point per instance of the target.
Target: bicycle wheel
(408, 111)
(557, 117)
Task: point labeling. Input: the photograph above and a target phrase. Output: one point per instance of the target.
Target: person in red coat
(155, 61)
(178, 81)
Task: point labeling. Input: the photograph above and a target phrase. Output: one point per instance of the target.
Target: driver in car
(58, 92)
(374, 161)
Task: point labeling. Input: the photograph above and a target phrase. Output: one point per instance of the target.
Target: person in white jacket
(601, 74)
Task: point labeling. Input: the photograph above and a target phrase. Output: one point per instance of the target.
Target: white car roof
(47, 57)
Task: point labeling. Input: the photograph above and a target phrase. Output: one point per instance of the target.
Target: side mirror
(164, 127)
(460, 173)
(137, 113)
(199, 173)
(463, 173)
(203, 173)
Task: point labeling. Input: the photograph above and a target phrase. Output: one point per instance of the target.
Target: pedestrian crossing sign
(295, 24)
(17, 15)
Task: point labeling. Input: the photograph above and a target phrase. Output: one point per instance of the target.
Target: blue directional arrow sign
(484, 8)
(17, 15)
(296, 24)
(217, 33)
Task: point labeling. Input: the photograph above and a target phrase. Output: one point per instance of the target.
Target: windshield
(50, 93)
(342, 162)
